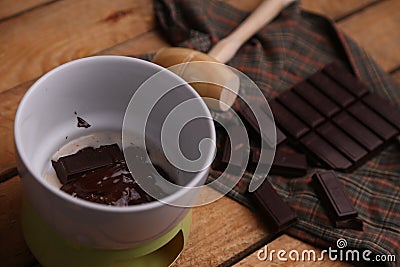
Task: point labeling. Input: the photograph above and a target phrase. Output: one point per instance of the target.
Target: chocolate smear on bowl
(82, 123)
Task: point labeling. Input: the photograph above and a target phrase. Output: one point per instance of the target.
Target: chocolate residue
(82, 123)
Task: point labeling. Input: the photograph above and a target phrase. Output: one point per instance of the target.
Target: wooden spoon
(221, 52)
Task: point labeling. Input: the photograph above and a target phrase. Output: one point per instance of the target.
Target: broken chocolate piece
(333, 197)
(109, 185)
(101, 175)
(82, 123)
(280, 136)
(265, 121)
(235, 158)
(285, 164)
(287, 121)
(84, 160)
(274, 211)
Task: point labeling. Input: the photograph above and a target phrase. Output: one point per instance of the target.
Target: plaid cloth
(291, 48)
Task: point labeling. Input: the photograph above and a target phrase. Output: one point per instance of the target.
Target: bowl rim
(91, 205)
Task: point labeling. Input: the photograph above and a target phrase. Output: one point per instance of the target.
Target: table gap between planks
(38, 35)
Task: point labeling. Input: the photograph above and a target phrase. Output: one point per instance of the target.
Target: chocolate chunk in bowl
(101, 175)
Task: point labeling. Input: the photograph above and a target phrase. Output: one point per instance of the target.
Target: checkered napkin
(291, 48)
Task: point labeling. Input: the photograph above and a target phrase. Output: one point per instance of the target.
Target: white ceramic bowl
(98, 89)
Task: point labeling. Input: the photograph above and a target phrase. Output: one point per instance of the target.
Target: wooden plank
(335, 9)
(220, 231)
(10, 8)
(8, 107)
(215, 235)
(287, 243)
(377, 30)
(37, 41)
(148, 42)
(13, 250)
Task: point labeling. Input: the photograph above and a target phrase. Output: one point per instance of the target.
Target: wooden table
(38, 35)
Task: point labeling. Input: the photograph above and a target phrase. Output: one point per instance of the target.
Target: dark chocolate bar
(334, 197)
(342, 141)
(373, 121)
(323, 104)
(330, 88)
(84, 160)
(334, 117)
(323, 150)
(299, 107)
(385, 109)
(285, 164)
(236, 160)
(280, 136)
(289, 122)
(275, 212)
(358, 131)
(265, 121)
(346, 79)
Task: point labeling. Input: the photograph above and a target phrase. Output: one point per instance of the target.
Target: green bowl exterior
(50, 249)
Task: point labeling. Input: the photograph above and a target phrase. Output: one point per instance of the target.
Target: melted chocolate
(111, 183)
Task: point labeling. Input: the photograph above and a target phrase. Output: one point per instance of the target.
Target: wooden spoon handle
(227, 47)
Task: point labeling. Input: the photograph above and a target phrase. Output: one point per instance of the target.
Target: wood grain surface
(10, 8)
(64, 31)
(9, 103)
(36, 37)
(13, 250)
(148, 42)
(219, 231)
(337, 9)
(377, 30)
